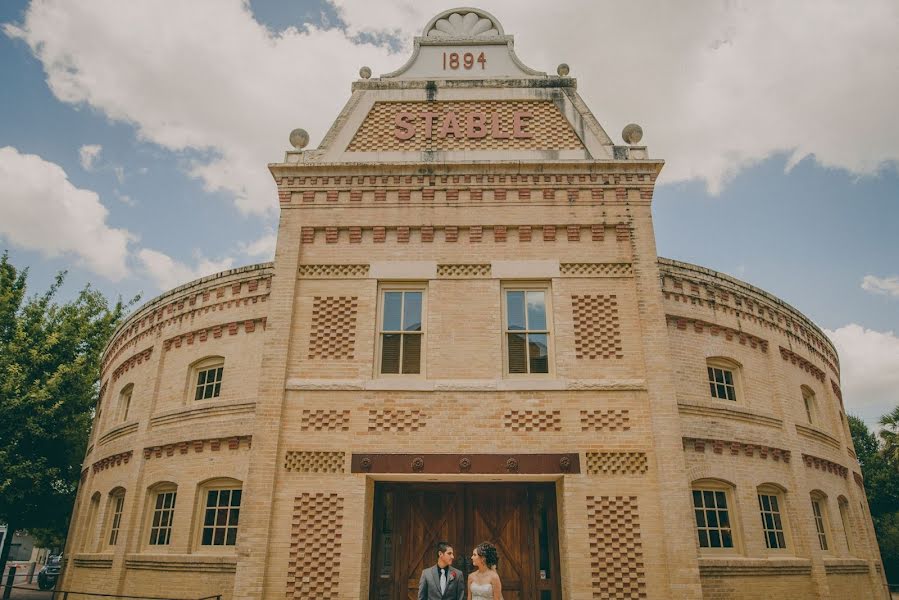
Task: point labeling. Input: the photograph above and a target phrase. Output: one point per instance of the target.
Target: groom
(442, 580)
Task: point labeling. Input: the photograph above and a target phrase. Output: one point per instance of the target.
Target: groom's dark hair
(442, 546)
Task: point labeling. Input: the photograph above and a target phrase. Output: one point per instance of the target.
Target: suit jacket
(429, 585)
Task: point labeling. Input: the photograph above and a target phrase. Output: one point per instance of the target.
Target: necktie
(442, 580)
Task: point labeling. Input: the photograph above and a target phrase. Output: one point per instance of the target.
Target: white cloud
(881, 285)
(717, 87)
(869, 365)
(168, 273)
(263, 248)
(42, 211)
(216, 81)
(88, 155)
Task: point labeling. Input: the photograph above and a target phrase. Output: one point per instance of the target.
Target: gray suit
(429, 585)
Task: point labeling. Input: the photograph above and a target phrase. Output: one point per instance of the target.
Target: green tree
(49, 367)
(882, 488)
(890, 435)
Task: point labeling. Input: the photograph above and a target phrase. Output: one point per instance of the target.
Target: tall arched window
(724, 378)
(162, 513)
(819, 513)
(125, 401)
(846, 521)
(89, 540)
(114, 511)
(219, 506)
(773, 513)
(810, 404)
(206, 376)
(713, 512)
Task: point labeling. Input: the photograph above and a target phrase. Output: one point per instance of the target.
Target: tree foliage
(49, 367)
(880, 465)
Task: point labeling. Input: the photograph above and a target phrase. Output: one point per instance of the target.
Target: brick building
(467, 334)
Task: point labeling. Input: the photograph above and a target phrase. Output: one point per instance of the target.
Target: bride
(484, 584)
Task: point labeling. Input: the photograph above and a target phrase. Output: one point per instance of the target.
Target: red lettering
(497, 132)
(476, 125)
(405, 125)
(518, 124)
(450, 125)
(429, 122)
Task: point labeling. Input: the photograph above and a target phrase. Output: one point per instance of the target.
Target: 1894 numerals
(454, 60)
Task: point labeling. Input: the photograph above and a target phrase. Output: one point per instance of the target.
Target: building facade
(466, 334)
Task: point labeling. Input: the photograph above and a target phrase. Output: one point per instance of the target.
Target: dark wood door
(520, 519)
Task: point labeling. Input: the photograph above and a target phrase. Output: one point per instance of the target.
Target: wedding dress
(481, 591)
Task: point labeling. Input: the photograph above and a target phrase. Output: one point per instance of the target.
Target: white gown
(483, 591)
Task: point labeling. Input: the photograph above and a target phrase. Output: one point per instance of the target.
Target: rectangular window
(527, 331)
(401, 332)
(118, 503)
(209, 383)
(712, 519)
(819, 524)
(161, 525)
(221, 517)
(772, 525)
(721, 383)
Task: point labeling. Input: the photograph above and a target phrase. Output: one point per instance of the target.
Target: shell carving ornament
(468, 25)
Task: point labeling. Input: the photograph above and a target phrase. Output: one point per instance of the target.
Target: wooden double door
(518, 518)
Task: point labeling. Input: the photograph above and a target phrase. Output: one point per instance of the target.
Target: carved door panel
(520, 519)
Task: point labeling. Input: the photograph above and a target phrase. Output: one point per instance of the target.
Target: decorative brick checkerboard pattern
(325, 420)
(596, 270)
(616, 552)
(333, 271)
(597, 332)
(314, 462)
(616, 463)
(533, 420)
(313, 570)
(333, 327)
(605, 420)
(396, 420)
(549, 129)
(463, 271)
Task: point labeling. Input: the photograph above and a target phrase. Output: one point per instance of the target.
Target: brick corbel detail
(858, 479)
(135, 360)
(122, 458)
(217, 331)
(713, 329)
(735, 448)
(802, 363)
(823, 464)
(213, 444)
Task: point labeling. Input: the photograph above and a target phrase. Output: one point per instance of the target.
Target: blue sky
(154, 121)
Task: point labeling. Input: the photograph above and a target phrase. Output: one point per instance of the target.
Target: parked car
(49, 573)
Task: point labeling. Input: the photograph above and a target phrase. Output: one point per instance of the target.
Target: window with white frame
(770, 509)
(713, 516)
(209, 374)
(723, 375)
(402, 330)
(125, 401)
(221, 516)
(819, 513)
(116, 507)
(808, 401)
(527, 330)
(162, 516)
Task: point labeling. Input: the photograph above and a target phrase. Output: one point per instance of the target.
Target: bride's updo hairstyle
(487, 551)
